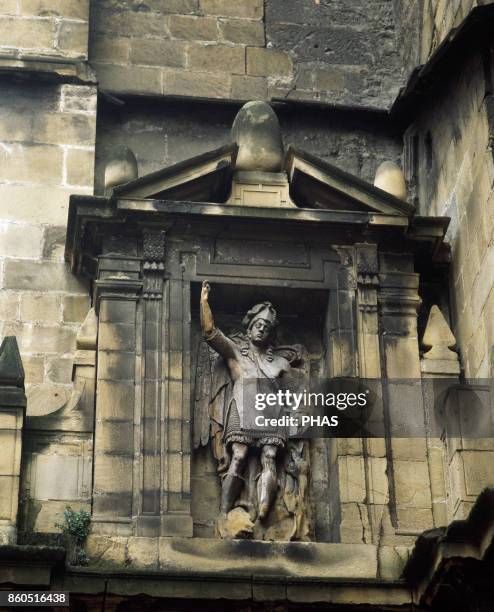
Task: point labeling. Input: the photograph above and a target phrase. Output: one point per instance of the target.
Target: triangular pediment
(203, 178)
(314, 183)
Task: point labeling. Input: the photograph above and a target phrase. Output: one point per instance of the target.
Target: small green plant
(76, 526)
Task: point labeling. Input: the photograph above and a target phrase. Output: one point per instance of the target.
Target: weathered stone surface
(253, 9)
(241, 31)
(209, 57)
(41, 307)
(54, 242)
(79, 167)
(193, 28)
(47, 276)
(20, 33)
(157, 52)
(59, 370)
(121, 169)
(201, 85)
(249, 88)
(73, 9)
(33, 164)
(129, 79)
(20, 240)
(268, 62)
(75, 308)
(143, 552)
(34, 369)
(335, 560)
(73, 39)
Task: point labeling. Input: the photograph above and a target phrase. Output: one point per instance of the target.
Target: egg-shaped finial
(121, 168)
(256, 130)
(390, 178)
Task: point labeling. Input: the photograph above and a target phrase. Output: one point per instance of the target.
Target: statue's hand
(206, 288)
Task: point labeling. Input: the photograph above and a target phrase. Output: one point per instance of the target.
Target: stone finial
(256, 131)
(390, 178)
(121, 169)
(438, 337)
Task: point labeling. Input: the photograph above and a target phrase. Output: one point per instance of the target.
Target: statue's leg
(267, 483)
(233, 482)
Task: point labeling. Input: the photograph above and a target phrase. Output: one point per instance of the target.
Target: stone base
(216, 557)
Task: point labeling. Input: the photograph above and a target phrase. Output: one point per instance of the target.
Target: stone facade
(117, 308)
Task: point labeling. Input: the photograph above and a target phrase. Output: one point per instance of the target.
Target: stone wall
(161, 134)
(44, 29)
(47, 141)
(455, 174)
(422, 25)
(233, 49)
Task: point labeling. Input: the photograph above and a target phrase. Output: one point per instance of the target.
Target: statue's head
(260, 323)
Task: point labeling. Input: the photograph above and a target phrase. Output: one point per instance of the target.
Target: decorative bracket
(154, 263)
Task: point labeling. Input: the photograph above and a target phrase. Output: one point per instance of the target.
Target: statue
(264, 473)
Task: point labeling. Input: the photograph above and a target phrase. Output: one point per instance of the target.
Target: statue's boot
(267, 485)
(230, 490)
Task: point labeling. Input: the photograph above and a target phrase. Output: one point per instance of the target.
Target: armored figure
(251, 463)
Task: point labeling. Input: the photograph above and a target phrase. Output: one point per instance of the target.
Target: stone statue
(254, 465)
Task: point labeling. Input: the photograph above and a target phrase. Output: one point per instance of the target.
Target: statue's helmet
(264, 311)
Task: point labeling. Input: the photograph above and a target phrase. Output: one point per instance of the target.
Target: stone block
(477, 466)
(329, 79)
(73, 39)
(158, 52)
(268, 62)
(27, 33)
(196, 84)
(117, 311)
(409, 449)
(117, 336)
(143, 552)
(15, 124)
(20, 240)
(114, 437)
(59, 370)
(9, 7)
(56, 477)
(110, 49)
(242, 31)
(80, 167)
(106, 550)
(7, 456)
(112, 473)
(70, 9)
(115, 400)
(354, 527)
(34, 369)
(129, 79)
(64, 128)
(46, 276)
(414, 519)
(75, 308)
(41, 307)
(351, 478)
(378, 481)
(35, 204)
(392, 560)
(253, 9)
(193, 28)
(32, 164)
(114, 365)
(207, 58)
(9, 486)
(249, 88)
(9, 305)
(412, 484)
(37, 338)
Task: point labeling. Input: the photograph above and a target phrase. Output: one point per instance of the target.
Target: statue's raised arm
(213, 336)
